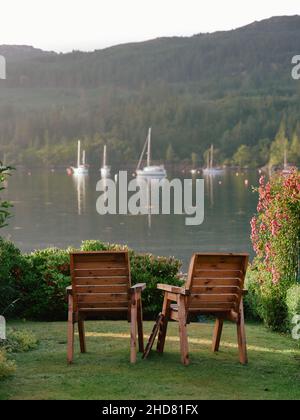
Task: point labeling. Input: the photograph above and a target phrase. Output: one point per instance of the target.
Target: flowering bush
(275, 233)
(276, 228)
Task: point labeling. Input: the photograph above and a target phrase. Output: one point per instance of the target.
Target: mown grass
(105, 372)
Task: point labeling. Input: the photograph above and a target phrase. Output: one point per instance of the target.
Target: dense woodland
(233, 89)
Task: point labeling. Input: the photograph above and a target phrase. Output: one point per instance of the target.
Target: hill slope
(229, 88)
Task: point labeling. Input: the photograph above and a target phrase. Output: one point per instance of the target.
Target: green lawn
(105, 372)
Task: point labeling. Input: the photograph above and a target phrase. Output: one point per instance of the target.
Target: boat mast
(104, 156)
(208, 159)
(212, 156)
(149, 148)
(142, 154)
(78, 153)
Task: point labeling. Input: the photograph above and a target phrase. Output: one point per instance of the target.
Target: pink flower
(262, 181)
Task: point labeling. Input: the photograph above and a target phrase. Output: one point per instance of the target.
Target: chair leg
(162, 335)
(133, 329)
(70, 350)
(81, 332)
(217, 335)
(140, 325)
(182, 318)
(163, 326)
(241, 334)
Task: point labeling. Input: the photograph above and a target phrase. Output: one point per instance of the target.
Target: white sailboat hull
(81, 170)
(152, 171)
(105, 172)
(213, 171)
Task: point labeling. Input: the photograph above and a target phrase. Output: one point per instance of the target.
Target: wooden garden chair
(101, 284)
(214, 286)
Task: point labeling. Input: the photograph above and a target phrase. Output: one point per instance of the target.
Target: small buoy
(220, 182)
(29, 174)
(236, 174)
(246, 182)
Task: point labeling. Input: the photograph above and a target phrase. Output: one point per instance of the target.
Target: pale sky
(64, 25)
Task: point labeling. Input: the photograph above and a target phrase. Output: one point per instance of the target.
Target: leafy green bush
(7, 367)
(44, 290)
(252, 300)
(293, 302)
(40, 279)
(19, 341)
(265, 300)
(13, 268)
(94, 245)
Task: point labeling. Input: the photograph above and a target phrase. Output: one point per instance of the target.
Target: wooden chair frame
(181, 297)
(134, 311)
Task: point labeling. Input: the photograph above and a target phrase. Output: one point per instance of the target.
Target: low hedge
(39, 279)
(274, 304)
(293, 303)
(7, 367)
(19, 341)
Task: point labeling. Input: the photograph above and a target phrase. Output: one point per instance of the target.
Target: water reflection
(209, 181)
(72, 217)
(80, 181)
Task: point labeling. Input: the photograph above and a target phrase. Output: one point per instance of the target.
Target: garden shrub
(44, 290)
(19, 341)
(293, 302)
(7, 367)
(40, 278)
(13, 268)
(275, 236)
(252, 300)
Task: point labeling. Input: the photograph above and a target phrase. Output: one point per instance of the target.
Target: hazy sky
(63, 25)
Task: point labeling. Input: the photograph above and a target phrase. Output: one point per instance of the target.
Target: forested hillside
(233, 89)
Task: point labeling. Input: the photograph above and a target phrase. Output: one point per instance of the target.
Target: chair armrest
(138, 287)
(69, 290)
(173, 289)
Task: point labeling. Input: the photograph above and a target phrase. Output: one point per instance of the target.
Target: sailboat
(210, 169)
(82, 168)
(105, 170)
(149, 171)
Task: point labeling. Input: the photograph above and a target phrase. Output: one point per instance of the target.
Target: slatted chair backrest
(216, 282)
(101, 281)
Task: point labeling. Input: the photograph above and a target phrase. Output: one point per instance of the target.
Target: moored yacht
(150, 170)
(82, 168)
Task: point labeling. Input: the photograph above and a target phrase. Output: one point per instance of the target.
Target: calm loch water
(53, 209)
